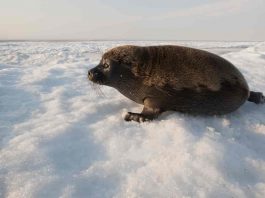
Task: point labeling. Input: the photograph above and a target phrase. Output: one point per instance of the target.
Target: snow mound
(62, 137)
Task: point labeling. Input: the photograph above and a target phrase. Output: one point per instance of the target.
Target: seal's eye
(106, 65)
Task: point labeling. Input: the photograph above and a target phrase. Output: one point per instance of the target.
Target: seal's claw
(127, 117)
(137, 117)
(262, 100)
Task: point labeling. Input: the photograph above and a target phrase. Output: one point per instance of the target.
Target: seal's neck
(130, 86)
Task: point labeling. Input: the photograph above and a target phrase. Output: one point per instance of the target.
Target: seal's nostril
(90, 75)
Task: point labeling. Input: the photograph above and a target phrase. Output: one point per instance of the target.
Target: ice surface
(61, 137)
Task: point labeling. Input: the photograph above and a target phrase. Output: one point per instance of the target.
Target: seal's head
(101, 73)
(109, 72)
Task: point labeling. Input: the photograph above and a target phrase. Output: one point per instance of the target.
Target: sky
(229, 20)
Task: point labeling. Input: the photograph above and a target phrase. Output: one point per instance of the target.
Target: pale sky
(231, 20)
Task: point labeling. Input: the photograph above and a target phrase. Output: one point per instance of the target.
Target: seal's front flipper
(256, 97)
(137, 117)
(150, 112)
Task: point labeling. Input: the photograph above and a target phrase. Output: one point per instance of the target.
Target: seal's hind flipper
(256, 97)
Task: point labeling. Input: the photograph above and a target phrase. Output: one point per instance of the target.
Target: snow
(62, 137)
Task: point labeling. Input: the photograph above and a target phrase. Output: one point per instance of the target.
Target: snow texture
(62, 137)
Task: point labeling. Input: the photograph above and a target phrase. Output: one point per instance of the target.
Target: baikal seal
(173, 78)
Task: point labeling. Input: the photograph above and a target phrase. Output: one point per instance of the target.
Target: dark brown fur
(177, 66)
(175, 78)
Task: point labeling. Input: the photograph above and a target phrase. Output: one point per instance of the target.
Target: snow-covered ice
(62, 137)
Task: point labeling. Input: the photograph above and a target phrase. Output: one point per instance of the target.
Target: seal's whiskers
(97, 89)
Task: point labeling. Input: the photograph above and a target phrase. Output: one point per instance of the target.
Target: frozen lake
(62, 137)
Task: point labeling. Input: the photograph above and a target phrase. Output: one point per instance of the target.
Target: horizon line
(88, 40)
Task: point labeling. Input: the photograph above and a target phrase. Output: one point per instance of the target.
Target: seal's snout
(92, 74)
(95, 76)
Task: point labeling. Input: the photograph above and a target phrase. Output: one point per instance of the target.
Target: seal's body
(173, 78)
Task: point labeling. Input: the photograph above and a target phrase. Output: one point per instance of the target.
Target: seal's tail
(256, 97)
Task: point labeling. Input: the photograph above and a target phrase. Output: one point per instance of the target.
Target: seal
(166, 78)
